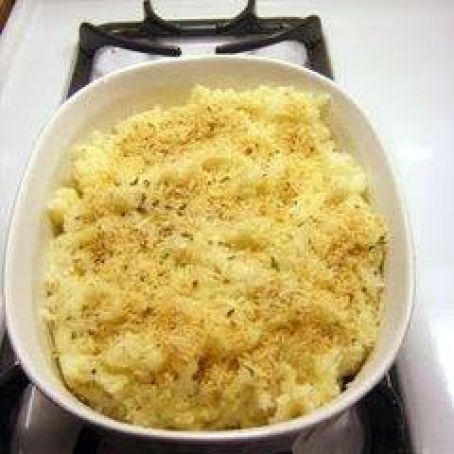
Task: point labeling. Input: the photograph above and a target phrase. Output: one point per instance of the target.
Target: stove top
(103, 48)
(33, 424)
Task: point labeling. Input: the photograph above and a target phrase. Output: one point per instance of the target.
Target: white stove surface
(394, 58)
(110, 59)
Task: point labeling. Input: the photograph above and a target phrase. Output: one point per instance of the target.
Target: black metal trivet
(381, 411)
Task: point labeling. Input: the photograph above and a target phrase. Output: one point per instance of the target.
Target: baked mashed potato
(215, 265)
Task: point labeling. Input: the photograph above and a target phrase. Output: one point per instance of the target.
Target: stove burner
(250, 31)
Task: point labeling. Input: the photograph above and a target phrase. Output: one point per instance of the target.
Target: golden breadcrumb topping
(215, 265)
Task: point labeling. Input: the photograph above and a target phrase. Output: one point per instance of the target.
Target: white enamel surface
(394, 57)
(122, 93)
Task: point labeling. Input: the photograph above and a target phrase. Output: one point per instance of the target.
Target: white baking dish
(167, 82)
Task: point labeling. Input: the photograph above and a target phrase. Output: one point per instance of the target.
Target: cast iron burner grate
(250, 33)
(381, 411)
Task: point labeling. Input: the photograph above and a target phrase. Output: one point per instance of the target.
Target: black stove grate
(250, 33)
(381, 411)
